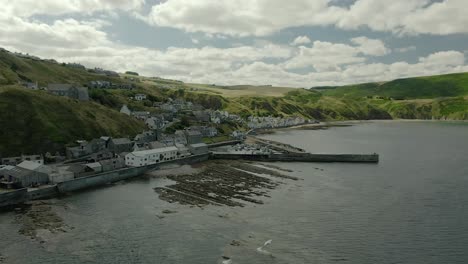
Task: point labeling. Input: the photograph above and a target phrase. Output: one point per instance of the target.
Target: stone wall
(13, 197)
(43, 193)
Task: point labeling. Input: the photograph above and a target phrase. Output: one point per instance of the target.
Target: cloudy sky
(299, 43)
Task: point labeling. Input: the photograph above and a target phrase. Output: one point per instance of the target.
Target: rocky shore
(229, 183)
(39, 215)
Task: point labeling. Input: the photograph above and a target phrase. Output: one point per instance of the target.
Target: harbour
(276, 152)
(354, 213)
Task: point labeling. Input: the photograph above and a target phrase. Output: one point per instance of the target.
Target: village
(157, 144)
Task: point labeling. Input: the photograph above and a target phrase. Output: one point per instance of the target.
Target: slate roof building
(26, 174)
(119, 145)
(69, 90)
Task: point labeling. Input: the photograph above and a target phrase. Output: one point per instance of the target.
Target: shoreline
(343, 123)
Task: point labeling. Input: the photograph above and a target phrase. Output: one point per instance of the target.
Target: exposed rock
(221, 183)
(235, 243)
(168, 211)
(38, 215)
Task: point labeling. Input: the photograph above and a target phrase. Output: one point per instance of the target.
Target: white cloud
(327, 56)
(264, 17)
(301, 40)
(239, 18)
(71, 40)
(373, 47)
(324, 56)
(27, 8)
(69, 34)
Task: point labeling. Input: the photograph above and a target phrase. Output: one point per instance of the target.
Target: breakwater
(300, 157)
(224, 143)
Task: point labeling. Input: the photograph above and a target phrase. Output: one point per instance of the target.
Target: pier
(274, 145)
(299, 157)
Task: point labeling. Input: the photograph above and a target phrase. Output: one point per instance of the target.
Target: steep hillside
(34, 121)
(14, 68)
(309, 104)
(450, 85)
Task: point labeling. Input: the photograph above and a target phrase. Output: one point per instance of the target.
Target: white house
(151, 156)
(140, 97)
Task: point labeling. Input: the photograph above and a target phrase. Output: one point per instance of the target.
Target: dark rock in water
(39, 215)
(226, 258)
(235, 243)
(169, 212)
(221, 183)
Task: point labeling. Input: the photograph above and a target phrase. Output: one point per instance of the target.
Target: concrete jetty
(299, 157)
(274, 145)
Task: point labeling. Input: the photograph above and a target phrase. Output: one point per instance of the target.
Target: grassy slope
(13, 68)
(450, 85)
(32, 121)
(242, 90)
(431, 97)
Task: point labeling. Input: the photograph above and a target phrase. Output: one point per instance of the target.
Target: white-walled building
(151, 156)
(140, 97)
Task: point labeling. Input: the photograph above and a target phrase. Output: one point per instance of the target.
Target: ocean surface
(412, 207)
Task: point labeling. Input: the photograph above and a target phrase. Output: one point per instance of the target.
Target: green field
(450, 85)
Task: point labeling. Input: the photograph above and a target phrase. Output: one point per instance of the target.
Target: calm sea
(410, 208)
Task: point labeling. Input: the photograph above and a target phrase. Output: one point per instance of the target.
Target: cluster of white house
(151, 156)
(272, 122)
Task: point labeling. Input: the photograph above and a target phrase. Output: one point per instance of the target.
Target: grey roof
(121, 141)
(5, 168)
(112, 161)
(105, 138)
(157, 144)
(193, 133)
(17, 172)
(76, 168)
(153, 151)
(29, 165)
(94, 165)
(198, 145)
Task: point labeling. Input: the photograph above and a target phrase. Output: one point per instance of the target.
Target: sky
(294, 43)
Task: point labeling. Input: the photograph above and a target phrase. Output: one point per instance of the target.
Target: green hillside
(34, 121)
(450, 85)
(307, 103)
